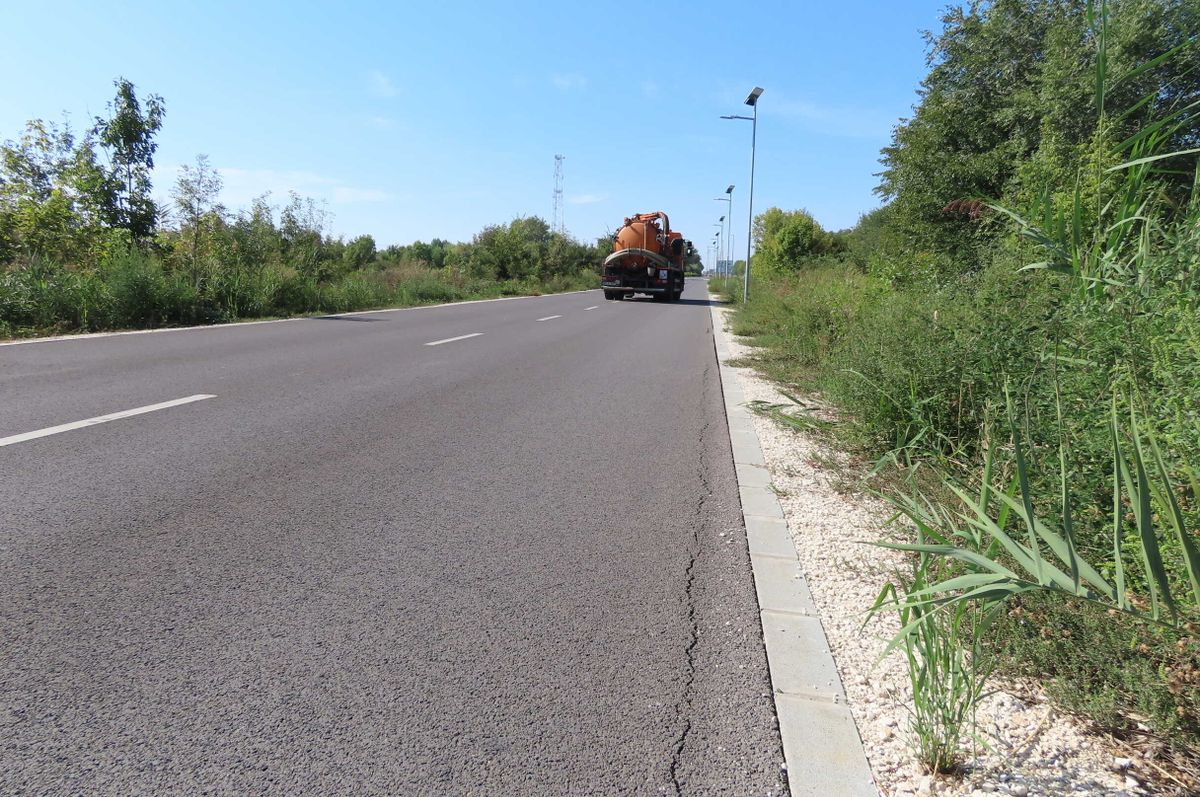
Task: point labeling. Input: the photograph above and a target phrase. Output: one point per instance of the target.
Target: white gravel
(1034, 749)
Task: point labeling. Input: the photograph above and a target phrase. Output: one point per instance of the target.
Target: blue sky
(420, 120)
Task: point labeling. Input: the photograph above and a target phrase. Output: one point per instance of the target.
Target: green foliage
(1074, 285)
(947, 664)
(787, 241)
(1010, 106)
(127, 136)
(527, 249)
(1104, 665)
(196, 191)
(866, 238)
(55, 199)
(81, 247)
(359, 253)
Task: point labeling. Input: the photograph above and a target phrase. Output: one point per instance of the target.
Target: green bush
(146, 294)
(925, 372)
(1104, 665)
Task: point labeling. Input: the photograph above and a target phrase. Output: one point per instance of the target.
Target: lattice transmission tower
(558, 223)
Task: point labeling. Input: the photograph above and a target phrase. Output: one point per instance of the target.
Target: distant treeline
(84, 246)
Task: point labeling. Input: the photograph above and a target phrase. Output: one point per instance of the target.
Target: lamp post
(720, 224)
(728, 215)
(721, 254)
(752, 101)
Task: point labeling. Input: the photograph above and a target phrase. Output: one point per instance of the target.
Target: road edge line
(821, 743)
(259, 322)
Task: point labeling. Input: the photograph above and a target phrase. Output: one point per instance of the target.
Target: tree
(255, 239)
(127, 136)
(359, 252)
(421, 252)
(437, 252)
(866, 238)
(692, 262)
(302, 226)
(785, 240)
(1008, 107)
(196, 192)
(54, 197)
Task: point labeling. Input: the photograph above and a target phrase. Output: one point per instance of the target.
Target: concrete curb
(821, 744)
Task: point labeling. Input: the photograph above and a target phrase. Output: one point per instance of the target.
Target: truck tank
(648, 257)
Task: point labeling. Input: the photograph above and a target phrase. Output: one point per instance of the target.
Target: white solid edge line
(593, 307)
(549, 318)
(115, 416)
(451, 340)
(119, 333)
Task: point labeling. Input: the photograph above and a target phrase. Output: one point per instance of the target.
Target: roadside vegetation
(1014, 337)
(84, 246)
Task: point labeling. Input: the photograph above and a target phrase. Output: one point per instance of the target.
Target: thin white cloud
(568, 81)
(241, 186)
(586, 199)
(835, 120)
(380, 84)
(345, 195)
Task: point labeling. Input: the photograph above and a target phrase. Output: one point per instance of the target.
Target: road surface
(489, 548)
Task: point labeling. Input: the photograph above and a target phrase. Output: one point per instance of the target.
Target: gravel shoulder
(1032, 749)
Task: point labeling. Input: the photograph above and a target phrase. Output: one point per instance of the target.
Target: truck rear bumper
(630, 289)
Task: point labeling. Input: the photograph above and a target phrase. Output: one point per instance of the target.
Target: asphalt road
(506, 564)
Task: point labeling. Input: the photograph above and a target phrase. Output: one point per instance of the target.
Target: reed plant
(1006, 538)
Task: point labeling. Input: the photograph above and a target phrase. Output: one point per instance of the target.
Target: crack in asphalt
(684, 707)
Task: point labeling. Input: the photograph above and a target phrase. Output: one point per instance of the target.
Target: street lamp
(728, 214)
(752, 101)
(718, 240)
(721, 254)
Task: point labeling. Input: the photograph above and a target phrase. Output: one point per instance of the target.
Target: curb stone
(821, 744)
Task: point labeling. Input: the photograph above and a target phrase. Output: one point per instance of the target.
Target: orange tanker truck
(648, 257)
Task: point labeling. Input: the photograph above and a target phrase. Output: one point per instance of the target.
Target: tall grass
(1053, 396)
(999, 542)
(132, 288)
(947, 665)
(1153, 540)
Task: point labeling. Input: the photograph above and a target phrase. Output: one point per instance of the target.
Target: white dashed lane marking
(451, 340)
(115, 416)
